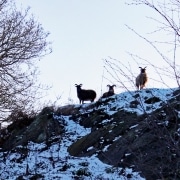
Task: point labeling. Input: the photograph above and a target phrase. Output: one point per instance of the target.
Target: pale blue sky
(84, 32)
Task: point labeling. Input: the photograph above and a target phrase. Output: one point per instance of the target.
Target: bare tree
(23, 41)
(166, 18)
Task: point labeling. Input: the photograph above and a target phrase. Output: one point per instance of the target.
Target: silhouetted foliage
(23, 41)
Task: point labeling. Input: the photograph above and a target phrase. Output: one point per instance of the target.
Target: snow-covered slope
(38, 161)
(140, 102)
(55, 162)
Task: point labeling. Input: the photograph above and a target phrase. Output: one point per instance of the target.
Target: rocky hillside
(132, 135)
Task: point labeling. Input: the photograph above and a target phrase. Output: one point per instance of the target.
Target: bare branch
(22, 41)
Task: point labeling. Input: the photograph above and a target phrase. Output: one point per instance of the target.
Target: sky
(83, 34)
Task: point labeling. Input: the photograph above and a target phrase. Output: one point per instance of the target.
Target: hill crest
(137, 130)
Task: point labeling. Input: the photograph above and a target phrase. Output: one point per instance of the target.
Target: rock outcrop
(143, 133)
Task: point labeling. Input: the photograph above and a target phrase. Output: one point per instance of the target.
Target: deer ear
(80, 85)
(114, 85)
(140, 67)
(76, 85)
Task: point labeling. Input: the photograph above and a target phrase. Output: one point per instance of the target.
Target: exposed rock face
(148, 142)
(40, 129)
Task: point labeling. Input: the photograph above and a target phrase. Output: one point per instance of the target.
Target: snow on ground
(56, 163)
(125, 101)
